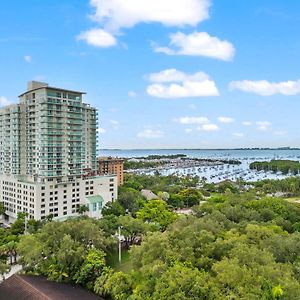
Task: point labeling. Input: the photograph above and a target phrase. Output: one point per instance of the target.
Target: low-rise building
(111, 166)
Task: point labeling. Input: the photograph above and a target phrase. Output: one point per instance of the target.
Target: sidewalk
(14, 269)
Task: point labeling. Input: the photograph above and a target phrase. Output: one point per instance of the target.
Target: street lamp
(120, 243)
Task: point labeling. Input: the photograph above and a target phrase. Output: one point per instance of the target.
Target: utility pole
(25, 224)
(120, 245)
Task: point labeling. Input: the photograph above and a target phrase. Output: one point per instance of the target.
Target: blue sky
(164, 73)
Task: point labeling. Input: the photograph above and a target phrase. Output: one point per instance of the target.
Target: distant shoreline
(201, 149)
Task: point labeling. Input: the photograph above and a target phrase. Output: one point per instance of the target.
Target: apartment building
(48, 159)
(111, 166)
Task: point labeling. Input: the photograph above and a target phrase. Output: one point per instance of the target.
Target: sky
(163, 73)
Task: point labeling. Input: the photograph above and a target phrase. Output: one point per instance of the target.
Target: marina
(215, 169)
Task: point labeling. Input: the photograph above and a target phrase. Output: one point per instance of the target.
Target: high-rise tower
(48, 143)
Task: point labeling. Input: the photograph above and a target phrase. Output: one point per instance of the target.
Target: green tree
(113, 208)
(132, 229)
(181, 282)
(10, 250)
(130, 199)
(83, 209)
(59, 249)
(2, 209)
(91, 269)
(119, 286)
(18, 227)
(191, 197)
(156, 212)
(4, 268)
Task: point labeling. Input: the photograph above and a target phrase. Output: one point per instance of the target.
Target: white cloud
(266, 88)
(188, 130)
(263, 125)
(173, 75)
(208, 127)
(184, 90)
(101, 130)
(280, 132)
(247, 123)
(181, 85)
(28, 58)
(4, 101)
(198, 44)
(192, 120)
(132, 94)
(97, 38)
(113, 15)
(150, 134)
(238, 134)
(116, 14)
(225, 120)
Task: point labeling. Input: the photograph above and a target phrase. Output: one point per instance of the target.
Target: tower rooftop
(36, 85)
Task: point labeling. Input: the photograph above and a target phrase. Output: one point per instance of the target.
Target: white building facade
(48, 159)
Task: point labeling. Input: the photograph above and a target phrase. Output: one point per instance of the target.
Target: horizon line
(238, 148)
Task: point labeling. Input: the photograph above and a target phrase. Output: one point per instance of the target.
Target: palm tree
(10, 249)
(82, 209)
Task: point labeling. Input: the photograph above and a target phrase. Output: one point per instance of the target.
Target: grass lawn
(113, 261)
